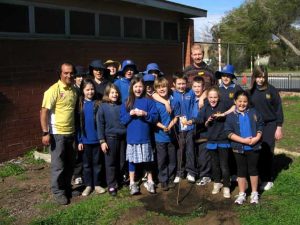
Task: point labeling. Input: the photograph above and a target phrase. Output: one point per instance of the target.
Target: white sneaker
(177, 180)
(203, 181)
(78, 181)
(267, 186)
(87, 191)
(149, 185)
(99, 190)
(217, 188)
(190, 178)
(241, 198)
(254, 197)
(226, 192)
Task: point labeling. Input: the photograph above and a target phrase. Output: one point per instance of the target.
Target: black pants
(203, 160)
(115, 159)
(266, 159)
(166, 160)
(220, 167)
(92, 166)
(78, 168)
(186, 154)
(247, 163)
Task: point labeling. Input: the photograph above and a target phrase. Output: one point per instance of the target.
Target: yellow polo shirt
(60, 99)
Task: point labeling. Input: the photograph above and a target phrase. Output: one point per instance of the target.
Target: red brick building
(36, 35)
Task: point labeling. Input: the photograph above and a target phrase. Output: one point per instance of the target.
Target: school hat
(112, 62)
(128, 63)
(97, 64)
(228, 70)
(151, 67)
(80, 71)
(149, 78)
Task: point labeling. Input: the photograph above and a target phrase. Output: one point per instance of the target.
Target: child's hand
(189, 122)
(80, 147)
(132, 112)
(141, 113)
(166, 129)
(104, 147)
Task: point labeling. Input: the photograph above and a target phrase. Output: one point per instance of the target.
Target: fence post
(289, 81)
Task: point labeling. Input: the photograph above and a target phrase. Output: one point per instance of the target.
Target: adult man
(57, 122)
(199, 68)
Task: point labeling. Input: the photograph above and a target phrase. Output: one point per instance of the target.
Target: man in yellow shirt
(58, 126)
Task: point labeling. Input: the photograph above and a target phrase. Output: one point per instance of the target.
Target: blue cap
(152, 66)
(127, 63)
(228, 70)
(149, 78)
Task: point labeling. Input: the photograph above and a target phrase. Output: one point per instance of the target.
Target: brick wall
(28, 68)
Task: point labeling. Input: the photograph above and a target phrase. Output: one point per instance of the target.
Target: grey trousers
(62, 163)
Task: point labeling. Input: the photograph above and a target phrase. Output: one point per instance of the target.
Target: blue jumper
(123, 84)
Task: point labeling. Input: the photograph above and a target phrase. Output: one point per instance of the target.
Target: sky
(216, 9)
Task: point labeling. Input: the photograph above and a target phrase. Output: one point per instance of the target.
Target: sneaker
(190, 178)
(61, 199)
(241, 198)
(149, 185)
(134, 189)
(203, 181)
(217, 188)
(254, 197)
(112, 191)
(266, 186)
(177, 180)
(78, 181)
(87, 191)
(226, 192)
(164, 186)
(99, 190)
(145, 177)
(234, 178)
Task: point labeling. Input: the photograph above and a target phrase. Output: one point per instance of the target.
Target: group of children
(144, 127)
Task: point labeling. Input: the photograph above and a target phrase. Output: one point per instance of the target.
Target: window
(109, 26)
(133, 27)
(170, 31)
(49, 21)
(153, 29)
(82, 23)
(14, 18)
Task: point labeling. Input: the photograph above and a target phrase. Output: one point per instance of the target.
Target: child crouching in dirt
(244, 128)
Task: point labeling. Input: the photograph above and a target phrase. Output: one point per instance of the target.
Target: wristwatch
(45, 133)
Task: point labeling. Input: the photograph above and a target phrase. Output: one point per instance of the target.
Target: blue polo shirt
(245, 127)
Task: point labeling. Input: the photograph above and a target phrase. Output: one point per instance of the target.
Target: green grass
(102, 209)
(10, 169)
(291, 126)
(5, 217)
(29, 158)
(280, 205)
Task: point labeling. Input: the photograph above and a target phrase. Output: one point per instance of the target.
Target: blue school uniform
(123, 84)
(227, 93)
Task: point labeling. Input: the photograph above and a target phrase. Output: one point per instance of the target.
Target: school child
(138, 113)
(213, 115)
(244, 128)
(185, 154)
(164, 135)
(113, 67)
(80, 73)
(149, 84)
(227, 89)
(153, 68)
(127, 72)
(87, 138)
(203, 159)
(111, 135)
(267, 102)
(99, 74)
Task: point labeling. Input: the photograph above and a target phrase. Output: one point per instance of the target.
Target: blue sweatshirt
(90, 135)
(186, 102)
(123, 84)
(165, 118)
(227, 93)
(108, 121)
(138, 128)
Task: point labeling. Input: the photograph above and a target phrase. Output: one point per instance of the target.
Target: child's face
(113, 95)
(180, 85)
(197, 88)
(129, 72)
(138, 89)
(98, 73)
(162, 91)
(112, 69)
(226, 80)
(260, 80)
(78, 81)
(89, 91)
(241, 103)
(213, 98)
